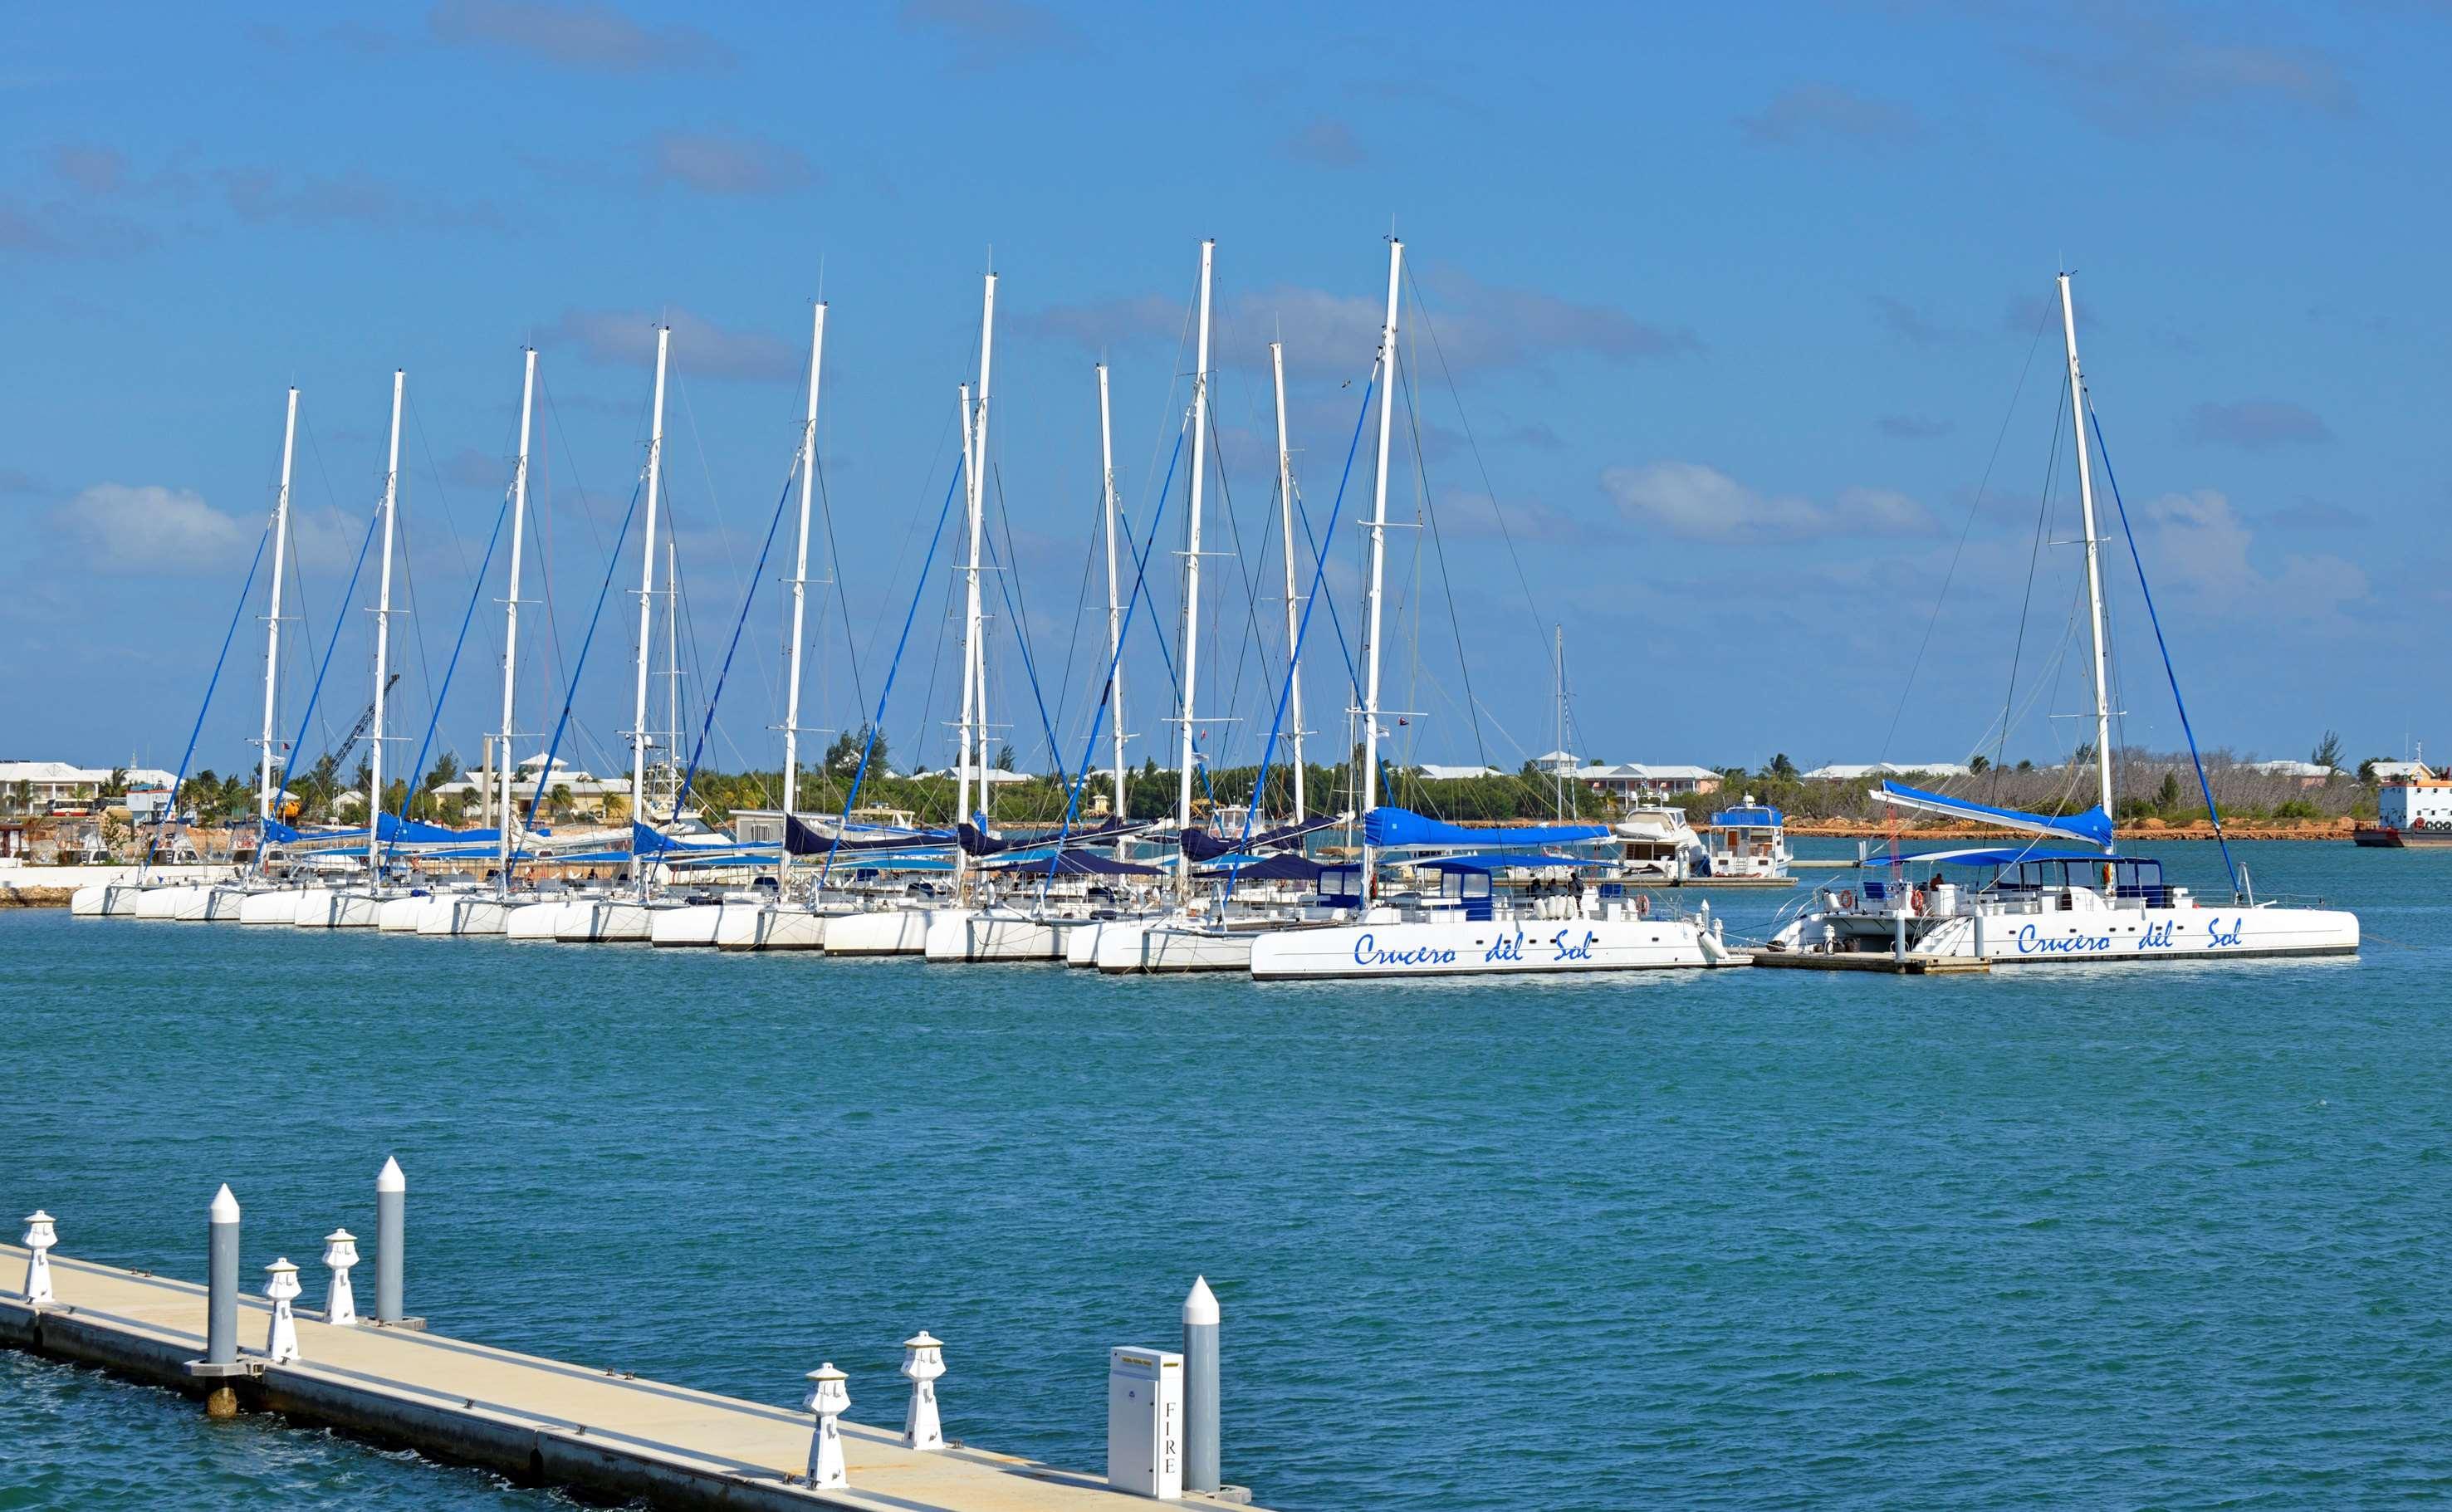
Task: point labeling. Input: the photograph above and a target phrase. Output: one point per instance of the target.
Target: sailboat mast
(646, 607)
(264, 785)
(383, 638)
(1379, 558)
(1115, 605)
(2093, 557)
(672, 731)
(975, 733)
(1294, 610)
(1191, 637)
(512, 619)
(799, 599)
(970, 668)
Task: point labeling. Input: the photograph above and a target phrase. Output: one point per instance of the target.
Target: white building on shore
(55, 787)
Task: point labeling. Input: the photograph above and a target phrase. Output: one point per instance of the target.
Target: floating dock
(1880, 961)
(539, 1421)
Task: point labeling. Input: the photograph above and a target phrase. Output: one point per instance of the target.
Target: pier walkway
(537, 1420)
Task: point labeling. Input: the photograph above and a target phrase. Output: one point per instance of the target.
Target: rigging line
(1017, 606)
(246, 591)
(417, 768)
(1973, 508)
(2025, 605)
(1029, 667)
(570, 691)
(748, 598)
(1082, 594)
(1302, 512)
(840, 587)
(1243, 566)
(1447, 583)
(2203, 784)
(868, 748)
(1422, 317)
(297, 572)
(316, 694)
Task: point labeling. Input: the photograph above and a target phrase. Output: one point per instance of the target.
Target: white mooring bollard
(1200, 1459)
(391, 1231)
(40, 1236)
(341, 1253)
(280, 1341)
(923, 1360)
(829, 1399)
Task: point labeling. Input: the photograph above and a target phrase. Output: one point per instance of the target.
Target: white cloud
(148, 528)
(1700, 501)
(2199, 542)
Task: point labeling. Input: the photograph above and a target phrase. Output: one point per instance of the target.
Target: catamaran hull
(323, 908)
(963, 935)
(278, 906)
(767, 927)
(605, 921)
(223, 904)
(536, 922)
(685, 924)
(401, 915)
(887, 932)
(464, 914)
(1162, 947)
(162, 904)
(1463, 948)
(1081, 946)
(2089, 935)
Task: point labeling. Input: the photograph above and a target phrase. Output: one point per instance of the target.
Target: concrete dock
(539, 1421)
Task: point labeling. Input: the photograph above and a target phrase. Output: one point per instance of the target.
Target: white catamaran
(2018, 903)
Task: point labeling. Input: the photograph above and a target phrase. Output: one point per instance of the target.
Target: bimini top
(1753, 814)
(2004, 856)
(1402, 827)
(2093, 827)
(1497, 861)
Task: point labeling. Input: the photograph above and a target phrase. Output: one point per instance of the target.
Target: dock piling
(391, 1228)
(923, 1360)
(221, 1280)
(281, 1338)
(341, 1304)
(1200, 1448)
(829, 1399)
(41, 1234)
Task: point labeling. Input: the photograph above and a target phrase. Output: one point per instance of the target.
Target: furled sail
(2092, 827)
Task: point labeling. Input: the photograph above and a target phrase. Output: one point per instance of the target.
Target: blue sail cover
(646, 841)
(1403, 827)
(2093, 827)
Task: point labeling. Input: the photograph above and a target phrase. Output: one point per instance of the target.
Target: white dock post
(40, 1236)
(923, 1360)
(391, 1228)
(829, 1399)
(281, 1340)
(341, 1304)
(1200, 1457)
(221, 1277)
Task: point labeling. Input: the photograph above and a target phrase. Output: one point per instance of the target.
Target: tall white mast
(799, 597)
(672, 678)
(1379, 560)
(975, 453)
(1294, 610)
(264, 785)
(2093, 557)
(512, 619)
(1558, 768)
(383, 640)
(1115, 605)
(1191, 637)
(646, 607)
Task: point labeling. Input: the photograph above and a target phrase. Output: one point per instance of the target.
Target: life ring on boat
(1846, 897)
(1643, 905)
(1915, 899)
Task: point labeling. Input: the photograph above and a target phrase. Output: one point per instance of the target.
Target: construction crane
(358, 731)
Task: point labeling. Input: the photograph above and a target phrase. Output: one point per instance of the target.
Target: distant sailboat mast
(1378, 562)
(383, 641)
(975, 454)
(799, 601)
(646, 611)
(1294, 610)
(265, 784)
(1114, 604)
(1191, 637)
(2093, 559)
(512, 623)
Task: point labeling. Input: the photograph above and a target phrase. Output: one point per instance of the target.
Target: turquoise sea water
(2075, 1236)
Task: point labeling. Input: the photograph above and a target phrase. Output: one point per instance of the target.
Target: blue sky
(1732, 306)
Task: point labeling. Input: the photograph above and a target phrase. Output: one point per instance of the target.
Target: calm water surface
(2099, 1237)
